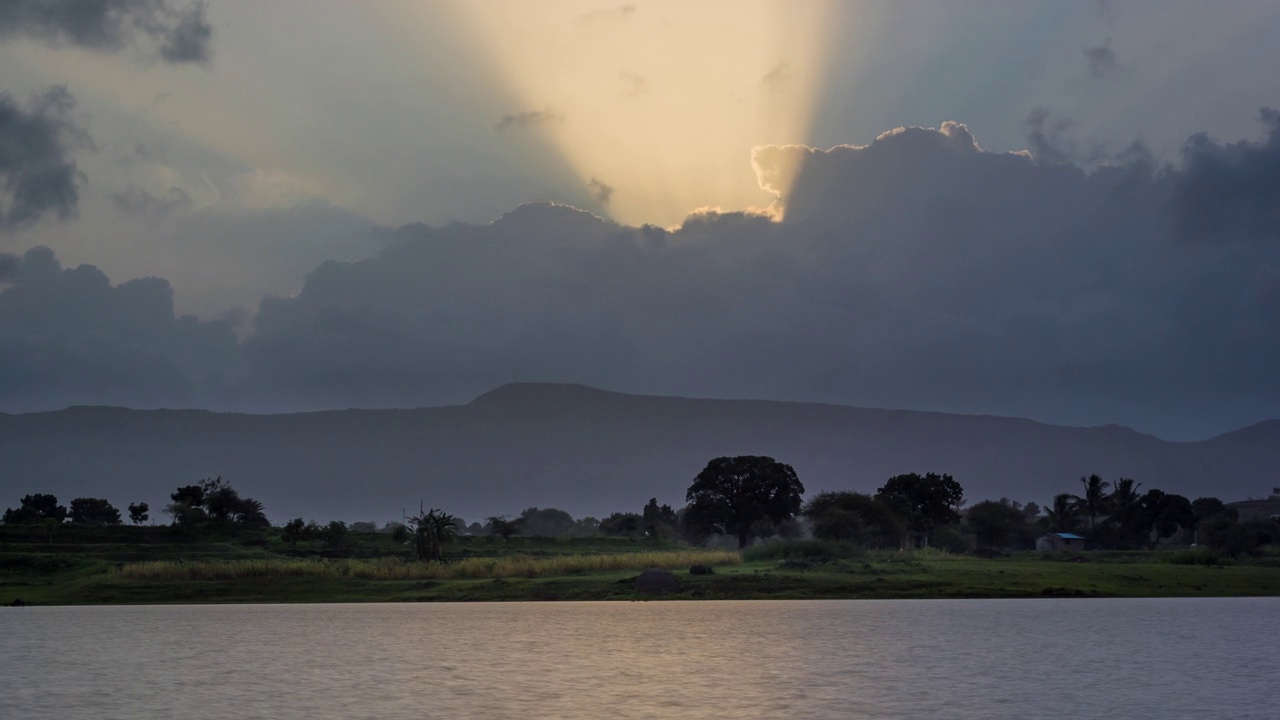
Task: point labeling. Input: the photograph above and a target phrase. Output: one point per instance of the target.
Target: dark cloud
(68, 336)
(620, 12)
(1052, 140)
(918, 271)
(1102, 59)
(175, 32)
(1049, 139)
(136, 201)
(1230, 191)
(601, 191)
(38, 176)
(529, 118)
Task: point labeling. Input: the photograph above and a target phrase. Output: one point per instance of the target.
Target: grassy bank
(260, 570)
(513, 566)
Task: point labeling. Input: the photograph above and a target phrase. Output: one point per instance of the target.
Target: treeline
(736, 500)
(208, 503)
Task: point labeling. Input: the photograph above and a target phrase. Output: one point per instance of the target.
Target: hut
(1060, 541)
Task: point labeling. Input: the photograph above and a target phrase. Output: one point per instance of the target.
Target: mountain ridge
(586, 450)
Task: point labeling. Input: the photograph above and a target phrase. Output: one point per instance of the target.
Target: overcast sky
(1067, 211)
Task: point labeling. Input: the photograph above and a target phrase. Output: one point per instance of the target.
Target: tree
(854, 517)
(1124, 494)
(1128, 522)
(735, 494)
(1166, 513)
(694, 529)
(500, 525)
(1094, 501)
(139, 513)
(334, 534)
(399, 534)
(995, 524)
(37, 508)
(1207, 507)
(658, 520)
(926, 501)
(1062, 515)
(431, 531)
(93, 511)
(190, 495)
(215, 501)
(546, 522)
(250, 513)
(294, 532)
(622, 524)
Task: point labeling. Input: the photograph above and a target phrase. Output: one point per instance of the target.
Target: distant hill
(587, 451)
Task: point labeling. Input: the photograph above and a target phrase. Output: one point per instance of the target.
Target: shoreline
(884, 576)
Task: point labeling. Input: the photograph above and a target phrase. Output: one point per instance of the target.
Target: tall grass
(823, 550)
(395, 569)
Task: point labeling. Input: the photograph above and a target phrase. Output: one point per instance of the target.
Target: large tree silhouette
(736, 495)
(926, 501)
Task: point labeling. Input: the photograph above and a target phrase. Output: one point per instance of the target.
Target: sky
(1063, 211)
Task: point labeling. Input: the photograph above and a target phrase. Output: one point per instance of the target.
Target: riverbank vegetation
(746, 532)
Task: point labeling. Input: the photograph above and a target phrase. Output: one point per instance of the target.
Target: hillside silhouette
(587, 451)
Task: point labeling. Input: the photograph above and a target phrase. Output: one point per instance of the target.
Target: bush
(950, 539)
(802, 550)
(1198, 556)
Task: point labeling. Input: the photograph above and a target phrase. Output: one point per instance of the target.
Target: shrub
(802, 550)
(1198, 556)
(950, 539)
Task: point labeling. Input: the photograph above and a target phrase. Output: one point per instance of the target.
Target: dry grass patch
(394, 569)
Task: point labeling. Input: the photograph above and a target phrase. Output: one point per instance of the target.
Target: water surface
(1144, 658)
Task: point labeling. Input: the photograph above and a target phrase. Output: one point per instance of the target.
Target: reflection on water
(824, 659)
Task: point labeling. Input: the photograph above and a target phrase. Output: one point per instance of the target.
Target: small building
(1055, 542)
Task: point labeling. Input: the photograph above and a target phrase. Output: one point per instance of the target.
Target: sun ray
(659, 102)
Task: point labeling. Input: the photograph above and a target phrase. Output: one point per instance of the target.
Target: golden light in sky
(656, 106)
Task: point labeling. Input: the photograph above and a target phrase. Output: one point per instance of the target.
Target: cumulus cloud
(1230, 191)
(529, 118)
(917, 271)
(38, 176)
(68, 336)
(1102, 59)
(174, 32)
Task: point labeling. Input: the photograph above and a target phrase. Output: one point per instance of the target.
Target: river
(1019, 659)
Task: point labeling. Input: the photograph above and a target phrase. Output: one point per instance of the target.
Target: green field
(152, 565)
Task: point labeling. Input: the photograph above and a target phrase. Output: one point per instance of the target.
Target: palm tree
(1124, 494)
(431, 532)
(1127, 509)
(1061, 515)
(1094, 500)
(251, 513)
